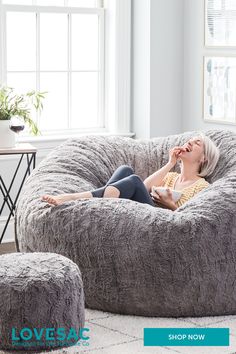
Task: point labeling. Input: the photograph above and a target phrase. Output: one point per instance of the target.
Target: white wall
(193, 69)
(140, 68)
(157, 67)
(166, 66)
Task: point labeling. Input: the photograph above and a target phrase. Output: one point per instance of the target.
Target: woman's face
(194, 150)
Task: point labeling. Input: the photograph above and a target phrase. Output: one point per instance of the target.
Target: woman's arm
(157, 177)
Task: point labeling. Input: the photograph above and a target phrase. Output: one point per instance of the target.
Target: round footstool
(41, 301)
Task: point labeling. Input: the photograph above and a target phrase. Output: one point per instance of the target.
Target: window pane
(53, 41)
(84, 42)
(221, 22)
(220, 89)
(54, 115)
(82, 3)
(84, 100)
(22, 83)
(21, 41)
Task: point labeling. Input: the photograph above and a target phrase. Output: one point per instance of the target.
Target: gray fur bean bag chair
(136, 258)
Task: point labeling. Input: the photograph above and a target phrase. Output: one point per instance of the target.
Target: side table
(22, 149)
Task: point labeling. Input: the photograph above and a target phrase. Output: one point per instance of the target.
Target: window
(57, 46)
(220, 61)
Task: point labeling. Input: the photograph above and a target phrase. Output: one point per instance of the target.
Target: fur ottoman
(41, 301)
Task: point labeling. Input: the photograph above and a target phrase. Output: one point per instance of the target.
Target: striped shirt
(187, 192)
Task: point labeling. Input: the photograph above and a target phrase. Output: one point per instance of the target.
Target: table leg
(7, 191)
(12, 207)
(5, 194)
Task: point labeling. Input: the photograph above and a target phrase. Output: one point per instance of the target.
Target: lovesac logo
(49, 336)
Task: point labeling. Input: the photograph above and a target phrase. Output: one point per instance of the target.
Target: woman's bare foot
(56, 199)
(110, 192)
(62, 198)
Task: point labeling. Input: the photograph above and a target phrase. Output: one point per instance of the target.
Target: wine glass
(17, 124)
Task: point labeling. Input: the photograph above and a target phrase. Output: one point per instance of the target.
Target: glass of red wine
(17, 124)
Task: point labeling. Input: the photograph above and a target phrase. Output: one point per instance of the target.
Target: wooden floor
(7, 247)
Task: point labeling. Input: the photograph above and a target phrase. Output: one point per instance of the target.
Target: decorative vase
(7, 137)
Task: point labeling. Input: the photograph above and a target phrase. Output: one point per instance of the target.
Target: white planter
(7, 137)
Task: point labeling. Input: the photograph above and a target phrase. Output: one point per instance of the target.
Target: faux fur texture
(136, 258)
(39, 290)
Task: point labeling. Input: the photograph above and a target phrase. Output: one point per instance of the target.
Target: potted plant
(13, 105)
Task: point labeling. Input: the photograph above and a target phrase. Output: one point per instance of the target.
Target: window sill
(51, 138)
(48, 142)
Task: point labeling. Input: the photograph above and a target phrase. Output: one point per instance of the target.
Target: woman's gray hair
(211, 156)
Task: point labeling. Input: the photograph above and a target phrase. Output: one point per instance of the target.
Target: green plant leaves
(14, 104)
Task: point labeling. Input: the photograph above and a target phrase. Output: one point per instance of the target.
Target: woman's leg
(120, 173)
(141, 193)
(132, 187)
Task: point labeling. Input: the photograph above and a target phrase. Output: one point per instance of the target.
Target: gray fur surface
(136, 258)
(39, 290)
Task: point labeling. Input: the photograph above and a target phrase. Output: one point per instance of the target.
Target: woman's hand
(174, 154)
(166, 200)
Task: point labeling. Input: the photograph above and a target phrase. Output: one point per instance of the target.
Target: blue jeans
(129, 184)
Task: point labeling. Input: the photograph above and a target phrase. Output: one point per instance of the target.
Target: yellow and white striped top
(188, 192)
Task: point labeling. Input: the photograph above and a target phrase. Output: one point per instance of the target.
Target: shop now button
(186, 336)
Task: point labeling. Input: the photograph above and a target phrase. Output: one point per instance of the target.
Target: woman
(198, 156)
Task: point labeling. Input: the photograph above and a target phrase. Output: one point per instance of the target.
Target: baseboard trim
(7, 247)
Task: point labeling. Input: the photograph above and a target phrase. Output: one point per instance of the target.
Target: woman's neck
(189, 172)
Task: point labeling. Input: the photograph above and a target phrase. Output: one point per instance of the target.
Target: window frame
(100, 11)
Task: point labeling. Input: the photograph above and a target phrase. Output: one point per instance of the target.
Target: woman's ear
(203, 159)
